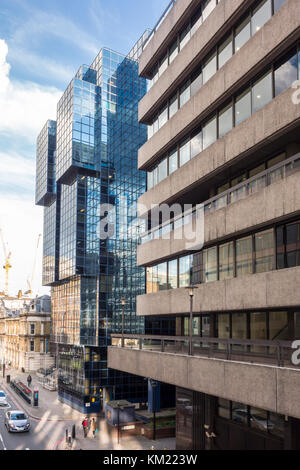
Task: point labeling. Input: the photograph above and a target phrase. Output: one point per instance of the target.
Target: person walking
(29, 380)
(94, 427)
(85, 425)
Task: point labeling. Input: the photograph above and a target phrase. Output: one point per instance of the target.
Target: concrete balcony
(273, 289)
(268, 387)
(268, 205)
(264, 46)
(268, 124)
(176, 18)
(201, 43)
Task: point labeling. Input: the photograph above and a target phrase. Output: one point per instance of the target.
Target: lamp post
(123, 301)
(154, 385)
(191, 294)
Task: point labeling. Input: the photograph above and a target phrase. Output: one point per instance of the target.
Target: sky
(42, 45)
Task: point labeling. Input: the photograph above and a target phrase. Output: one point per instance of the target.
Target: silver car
(3, 400)
(17, 421)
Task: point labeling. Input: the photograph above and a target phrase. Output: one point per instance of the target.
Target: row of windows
(277, 79)
(189, 29)
(257, 253)
(252, 23)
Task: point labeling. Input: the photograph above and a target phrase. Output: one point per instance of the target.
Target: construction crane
(30, 279)
(7, 264)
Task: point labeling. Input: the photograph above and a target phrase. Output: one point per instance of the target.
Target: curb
(16, 399)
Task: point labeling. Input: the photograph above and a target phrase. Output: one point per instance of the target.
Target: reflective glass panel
(185, 36)
(162, 276)
(264, 251)
(278, 4)
(196, 144)
(239, 413)
(242, 34)
(286, 73)
(173, 106)
(207, 7)
(163, 170)
(173, 51)
(185, 270)
(209, 68)
(224, 52)
(244, 263)
(173, 274)
(185, 152)
(226, 261)
(163, 116)
(262, 92)
(210, 264)
(261, 15)
(185, 94)
(173, 161)
(225, 120)
(242, 107)
(209, 132)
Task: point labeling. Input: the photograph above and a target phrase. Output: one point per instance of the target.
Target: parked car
(17, 421)
(3, 399)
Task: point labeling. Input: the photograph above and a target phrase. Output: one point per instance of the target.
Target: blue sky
(42, 45)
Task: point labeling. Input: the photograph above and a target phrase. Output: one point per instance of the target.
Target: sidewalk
(49, 409)
(106, 440)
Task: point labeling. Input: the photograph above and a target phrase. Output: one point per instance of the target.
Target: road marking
(1, 439)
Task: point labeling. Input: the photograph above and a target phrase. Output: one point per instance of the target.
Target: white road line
(1, 439)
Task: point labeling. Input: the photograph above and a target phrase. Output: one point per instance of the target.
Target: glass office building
(97, 136)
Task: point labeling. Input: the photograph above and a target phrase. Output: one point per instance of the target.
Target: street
(43, 434)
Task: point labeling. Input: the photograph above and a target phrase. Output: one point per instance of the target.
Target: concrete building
(223, 116)
(25, 335)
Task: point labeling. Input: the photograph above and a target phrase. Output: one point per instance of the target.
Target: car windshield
(2, 394)
(17, 416)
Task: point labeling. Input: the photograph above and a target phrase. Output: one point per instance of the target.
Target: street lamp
(191, 294)
(154, 385)
(123, 301)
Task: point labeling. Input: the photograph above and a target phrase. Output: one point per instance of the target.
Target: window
(278, 4)
(163, 170)
(242, 34)
(185, 36)
(209, 133)
(163, 64)
(149, 280)
(173, 274)
(209, 67)
(258, 419)
(225, 52)
(155, 125)
(244, 263)
(155, 176)
(226, 261)
(278, 326)
(173, 161)
(293, 245)
(261, 15)
(207, 7)
(185, 270)
(243, 107)
(264, 251)
(223, 408)
(32, 328)
(184, 152)
(163, 116)
(173, 51)
(149, 180)
(210, 264)
(286, 72)
(162, 276)
(262, 92)
(173, 106)
(32, 346)
(196, 21)
(225, 120)
(196, 144)
(239, 413)
(196, 82)
(185, 94)
(239, 326)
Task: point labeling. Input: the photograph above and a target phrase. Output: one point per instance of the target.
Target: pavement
(51, 419)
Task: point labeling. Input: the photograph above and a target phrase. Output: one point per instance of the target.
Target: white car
(3, 399)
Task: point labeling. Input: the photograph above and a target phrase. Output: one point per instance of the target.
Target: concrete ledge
(262, 47)
(265, 206)
(274, 289)
(268, 387)
(267, 124)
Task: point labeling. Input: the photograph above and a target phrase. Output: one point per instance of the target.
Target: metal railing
(270, 352)
(240, 191)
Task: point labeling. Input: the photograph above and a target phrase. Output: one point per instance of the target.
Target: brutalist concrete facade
(246, 303)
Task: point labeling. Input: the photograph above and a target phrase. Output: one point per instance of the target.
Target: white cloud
(24, 107)
(21, 222)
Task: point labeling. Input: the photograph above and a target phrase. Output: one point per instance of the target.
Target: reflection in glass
(244, 263)
(243, 107)
(162, 276)
(261, 15)
(173, 106)
(185, 94)
(173, 161)
(286, 73)
(225, 120)
(184, 152)
(223, 408)
(239, 413)
(264, 251)
(242, 34)
(185, 270)
(210, 264)
(209, 132)
(173, 274)
(225, 52)
(209, 68)
(226, 261)
(196, 144)
(262, 92)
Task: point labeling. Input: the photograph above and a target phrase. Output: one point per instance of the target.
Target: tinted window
(209, 133)
(173, 107)
(261, 15)
(225, 52)
(196, 144)
(286, 72)
(225, 121)
(184, 152)
(242, 34)
(173, 161)
(242, 107)
(262, 92)
(209, 68)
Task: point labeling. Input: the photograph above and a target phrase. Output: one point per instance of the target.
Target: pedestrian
(29, 380)
(94, 427)
(85, 425)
